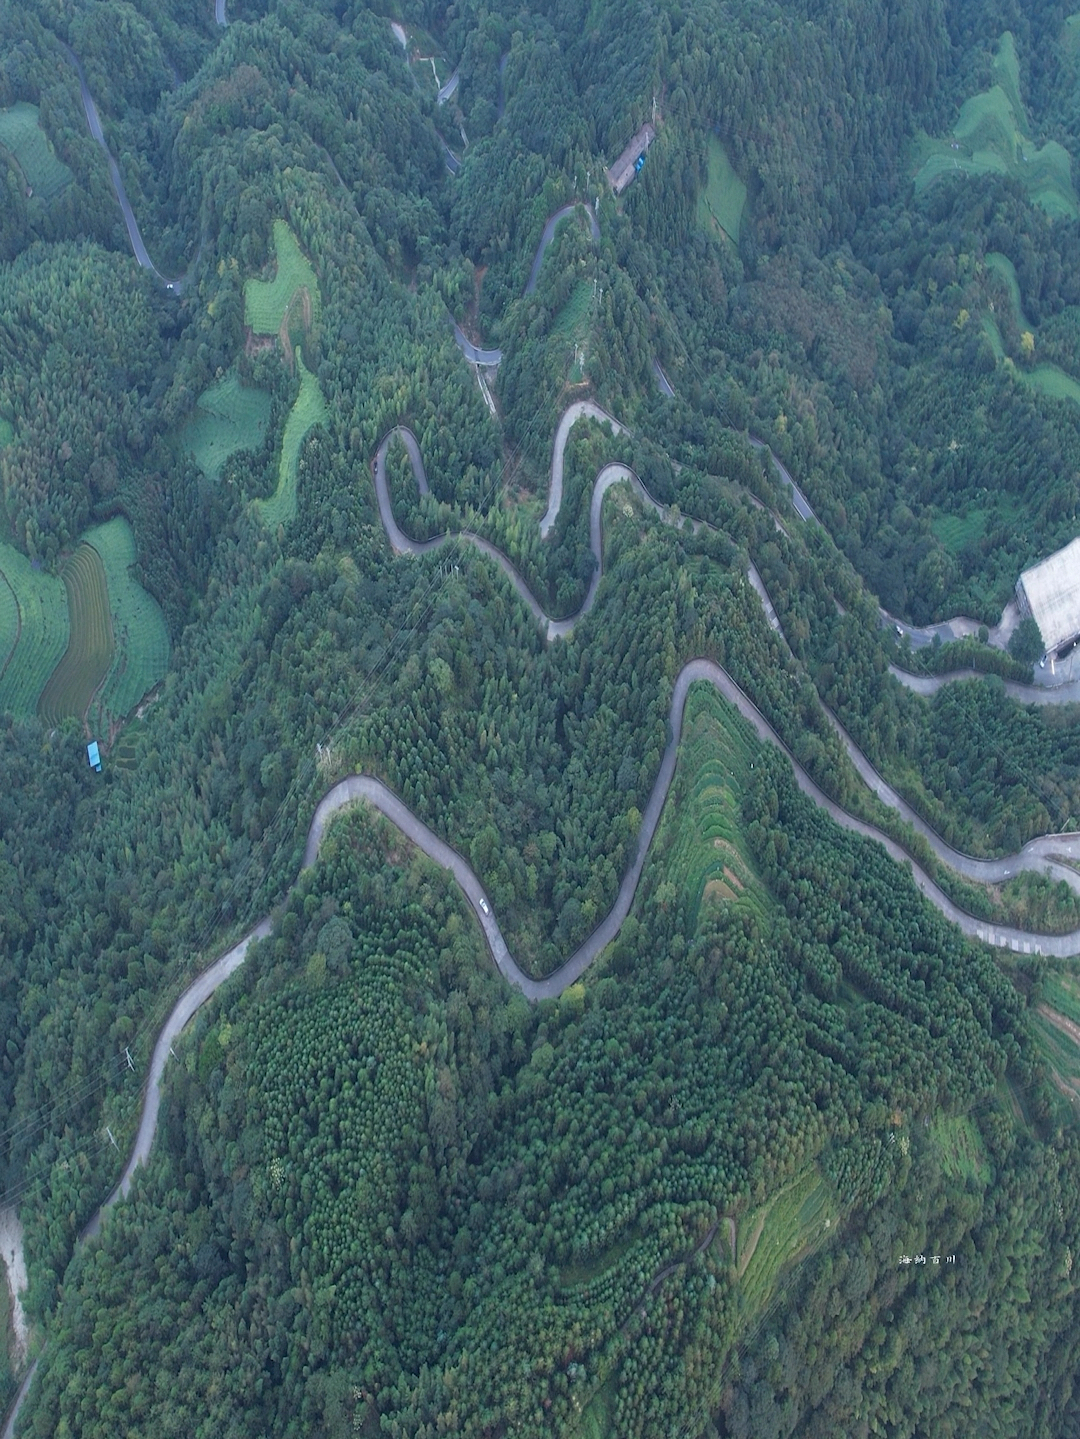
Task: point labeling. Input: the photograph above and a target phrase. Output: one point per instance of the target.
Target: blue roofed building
(93, 755)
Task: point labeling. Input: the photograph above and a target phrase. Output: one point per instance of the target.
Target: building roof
(1052, 589)
(622, 172)
(93, 754)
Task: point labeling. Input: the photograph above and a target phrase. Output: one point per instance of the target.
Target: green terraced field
(138, 625)
(308, 410)
(36, 611)
(724, 198)
(90, 648)
(21, 133)
(1047, 379)
(266, 302)
(797, 1219)
(228, 417)
(707, 846)
(990, 136)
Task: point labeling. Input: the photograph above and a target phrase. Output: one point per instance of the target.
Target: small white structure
(1049, 593)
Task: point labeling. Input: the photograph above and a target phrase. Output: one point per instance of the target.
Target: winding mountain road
(549, 234)
(362, 788)
(93, 120)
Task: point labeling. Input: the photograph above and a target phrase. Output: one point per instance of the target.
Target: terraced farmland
(229, 417)
(268, 302)
(138, 626)
(308, 409)
(33, 631)
(21, 133)
(792, 1222)
(990, 137)
(85, 663)
(707, 846)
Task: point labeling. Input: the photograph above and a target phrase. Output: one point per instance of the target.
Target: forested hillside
(387, 1194)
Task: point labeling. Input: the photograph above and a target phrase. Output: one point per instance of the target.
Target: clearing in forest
(22, 135)
(961, 1149)
(228, 417)
(723, 200)
(990, 137)
(138, 626)
(271, 306)
(89, 653)
(309, 409)
(7, 434)
(33, 631)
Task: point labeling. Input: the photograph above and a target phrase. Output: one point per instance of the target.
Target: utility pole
(112, 1141)
(131, 1062)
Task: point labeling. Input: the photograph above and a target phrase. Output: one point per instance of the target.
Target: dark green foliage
(1026, 641)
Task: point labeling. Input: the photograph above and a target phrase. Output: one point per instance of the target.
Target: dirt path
(11, 1248)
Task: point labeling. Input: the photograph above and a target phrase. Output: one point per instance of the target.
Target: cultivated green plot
(229, 417)
(138, 625)
(21, 133)
(308, 410)
(90, 648)
(724, 198)
(961, 1149)
(41, 628)
(708, 848)
(794, 1221)
(269, 304)
(990, 136)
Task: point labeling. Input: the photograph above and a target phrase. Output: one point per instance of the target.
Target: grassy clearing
(707, 848)
(228, 417)
(571, 1276)
(572, 321)
(90, 648)
(21, 133)
(990, 137)
(956, 531)
(961, 1150)
(7, 434)
(1047, 379)
(40, 620)
(267, 302)
(308, 410)
(724, 198)
(138, 625)
(1061, 1051)
(1061, 991)
(793, 1221)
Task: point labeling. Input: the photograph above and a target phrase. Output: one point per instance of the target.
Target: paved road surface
(549, 235)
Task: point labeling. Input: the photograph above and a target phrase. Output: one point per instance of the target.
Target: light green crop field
(308, 410)
(797, 1219)
(1062, 992)
(138, 626)
(90, 648)
(707, 848)
(572, 321)
(41, 624)
(724, 198)
(1047, 379)
(955, 531)
(266, 302)
(229, 417)
(991, 136)
(961, 1149)
(21, 133)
